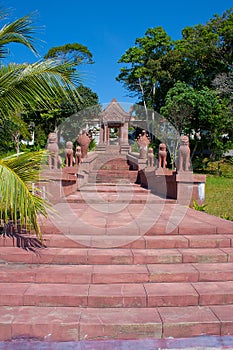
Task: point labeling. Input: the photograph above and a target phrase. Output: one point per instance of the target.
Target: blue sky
(108, 29)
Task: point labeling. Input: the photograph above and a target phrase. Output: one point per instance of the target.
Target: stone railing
(184, 187)
(85, 168)
(135, 162)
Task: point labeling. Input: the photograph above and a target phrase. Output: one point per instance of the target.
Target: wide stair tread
(116, 256)
(78, 323)
(111, 274)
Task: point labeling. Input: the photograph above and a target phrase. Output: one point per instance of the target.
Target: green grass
(219, 196)
(219, 186)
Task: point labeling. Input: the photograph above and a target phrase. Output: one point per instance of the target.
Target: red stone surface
(120, 324)
(56, 295)
(188, 321)
(120, 274)
(215, 272)
(210, 241)
(173, 241)
(225, 314)
(203, 255)
(155, 256)
(171, 294)
(161, 273)
(214, 293)
(120, 265)
(117, 295)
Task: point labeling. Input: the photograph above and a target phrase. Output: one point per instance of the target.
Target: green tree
(75, 52)
(156, 62)
(47, 121)
(156, 66)
(144, 74)
(199, 113)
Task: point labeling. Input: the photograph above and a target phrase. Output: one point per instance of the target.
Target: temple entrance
(114, 135)
(114, 123)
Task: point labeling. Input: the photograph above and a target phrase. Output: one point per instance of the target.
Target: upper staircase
(112, 167)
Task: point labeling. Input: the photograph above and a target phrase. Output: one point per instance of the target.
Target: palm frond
(20, 31)
(18, 204)
(36, 84)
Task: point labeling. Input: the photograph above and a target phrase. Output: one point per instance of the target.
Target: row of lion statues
(84, 139)
(182, 162)
(71, 157)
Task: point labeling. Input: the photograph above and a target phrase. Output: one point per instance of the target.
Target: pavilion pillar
(101, 140)
(105, 133)
(124, 130)
(108, 135)
(120, 135)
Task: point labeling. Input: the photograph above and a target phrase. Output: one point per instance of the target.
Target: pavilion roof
(114, 113)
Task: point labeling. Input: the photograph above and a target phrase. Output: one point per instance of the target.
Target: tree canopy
(75, 52)
(188, 80)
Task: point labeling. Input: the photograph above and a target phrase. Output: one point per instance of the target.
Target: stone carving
(69, 154)
(143, 142)
(78, 155)
(162, 156)
(184, 154)
(151, 159)
(83, 141)
(54, 161)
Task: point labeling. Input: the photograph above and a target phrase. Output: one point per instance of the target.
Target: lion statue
(162, 156)
(69, 153)
(184, 154)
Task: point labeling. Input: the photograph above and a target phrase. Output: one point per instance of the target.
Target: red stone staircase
(114, 170)
(120, 263)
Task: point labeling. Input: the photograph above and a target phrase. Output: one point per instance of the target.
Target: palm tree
(20, 201)
(36, 85)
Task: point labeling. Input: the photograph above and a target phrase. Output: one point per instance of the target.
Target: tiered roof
(114, 113)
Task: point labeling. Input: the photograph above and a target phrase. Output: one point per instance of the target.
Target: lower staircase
(119, 263)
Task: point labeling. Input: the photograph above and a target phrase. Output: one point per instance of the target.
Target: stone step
(104, 274)
(117, 295)
(135, 242)
(111, 166)
(112, 176)
(115, 198)
(111, 163)
(109, 188)
(144, 242)
(115, 172)
(79, 324)
(119, 256)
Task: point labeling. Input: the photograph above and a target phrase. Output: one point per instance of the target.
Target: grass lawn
(219, 196)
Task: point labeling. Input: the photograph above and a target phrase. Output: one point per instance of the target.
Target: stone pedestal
(189, 187)
(100, 148)
(163, 171)
(161, 182)
(57, 184)
(124, 149)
